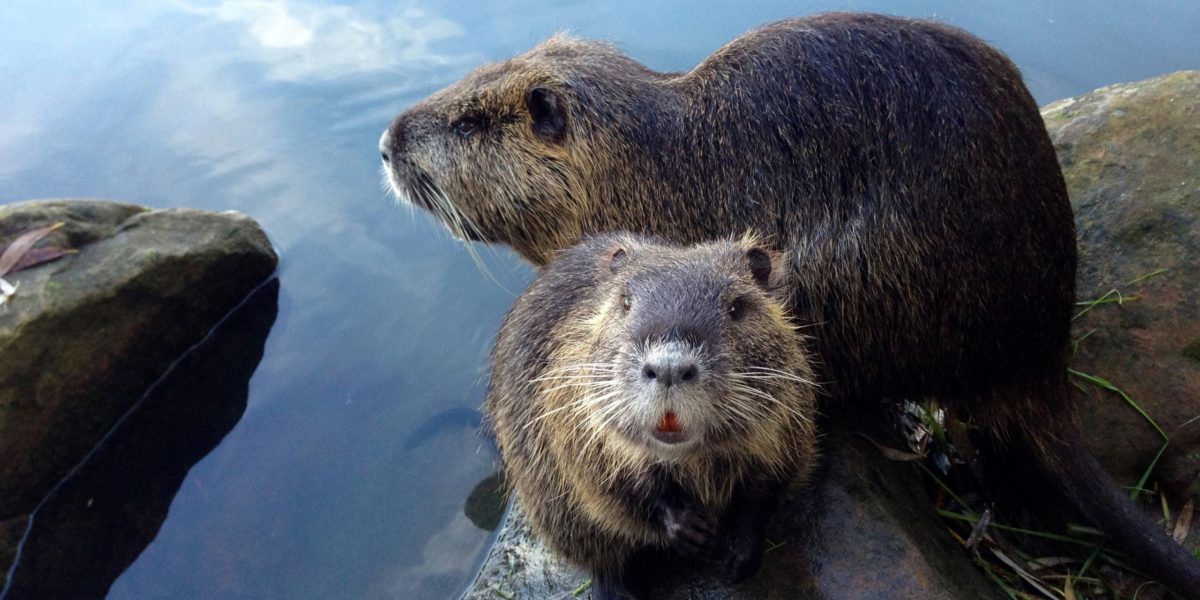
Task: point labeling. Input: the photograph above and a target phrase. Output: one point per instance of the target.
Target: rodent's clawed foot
(690, 531)
(612, 588)
(744, 558)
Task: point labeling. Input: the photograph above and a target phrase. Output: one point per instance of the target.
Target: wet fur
(901, 164)
(590, 491)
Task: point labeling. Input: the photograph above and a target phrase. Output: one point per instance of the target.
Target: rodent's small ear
(761, 264)
(549, 116)
(616, 259)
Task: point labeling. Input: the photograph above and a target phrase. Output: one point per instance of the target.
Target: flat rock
(1131, 157)
(86, 336)
(865, 530)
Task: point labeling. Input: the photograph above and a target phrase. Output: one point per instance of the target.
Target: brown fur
(579, 465)
(901, 165)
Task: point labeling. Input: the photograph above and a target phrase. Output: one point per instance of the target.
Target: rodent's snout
(385, 151)
(670, 364)
(391, 143)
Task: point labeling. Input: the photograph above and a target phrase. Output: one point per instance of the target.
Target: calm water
(345, 476)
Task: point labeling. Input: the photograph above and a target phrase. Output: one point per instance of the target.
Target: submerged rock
(1131, 157)
(486, 503)
(85, 336)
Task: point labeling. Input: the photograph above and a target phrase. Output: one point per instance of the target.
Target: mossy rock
(1131, 156)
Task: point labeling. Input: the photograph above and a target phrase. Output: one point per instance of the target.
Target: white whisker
(769, 373)
(579, 384)
(577, 377)
(765, 396)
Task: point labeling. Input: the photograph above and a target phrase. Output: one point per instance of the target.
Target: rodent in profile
(900, 164)
(648, 396)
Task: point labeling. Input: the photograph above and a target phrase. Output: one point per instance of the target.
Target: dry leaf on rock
(1184, 524)
(16, 251)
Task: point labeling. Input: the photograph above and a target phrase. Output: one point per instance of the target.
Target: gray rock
(866, 531)
(1131, 157)
(86, 335)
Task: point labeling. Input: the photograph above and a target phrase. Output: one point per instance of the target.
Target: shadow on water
(98, 522)
(445, 420)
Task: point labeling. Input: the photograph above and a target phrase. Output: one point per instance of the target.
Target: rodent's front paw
(690, 531)
(744, 558)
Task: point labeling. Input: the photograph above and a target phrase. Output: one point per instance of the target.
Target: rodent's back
(910, 172)
(902, 162)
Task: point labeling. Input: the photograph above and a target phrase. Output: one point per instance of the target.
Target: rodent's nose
(385, 146)
(391, 143)
(671, 370)
(384, 151)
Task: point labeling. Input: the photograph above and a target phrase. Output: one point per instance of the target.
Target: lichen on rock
(1131, 156)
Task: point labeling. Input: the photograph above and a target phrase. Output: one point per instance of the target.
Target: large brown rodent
(900, 164)
(646, 396)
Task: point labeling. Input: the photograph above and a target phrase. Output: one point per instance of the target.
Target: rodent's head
(507, 154)
(688, 349)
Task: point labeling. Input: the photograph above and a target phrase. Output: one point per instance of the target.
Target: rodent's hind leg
(610, 588)
(623, 584)
(690, 529)
(745, 527)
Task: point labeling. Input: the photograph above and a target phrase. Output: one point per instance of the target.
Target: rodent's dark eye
(737, 309)
(625, 303)
(467, 125)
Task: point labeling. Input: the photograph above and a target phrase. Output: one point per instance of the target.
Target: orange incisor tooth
(669, 423)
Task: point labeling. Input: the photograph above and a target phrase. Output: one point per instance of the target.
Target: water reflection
(93, 527)
(310, 41)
